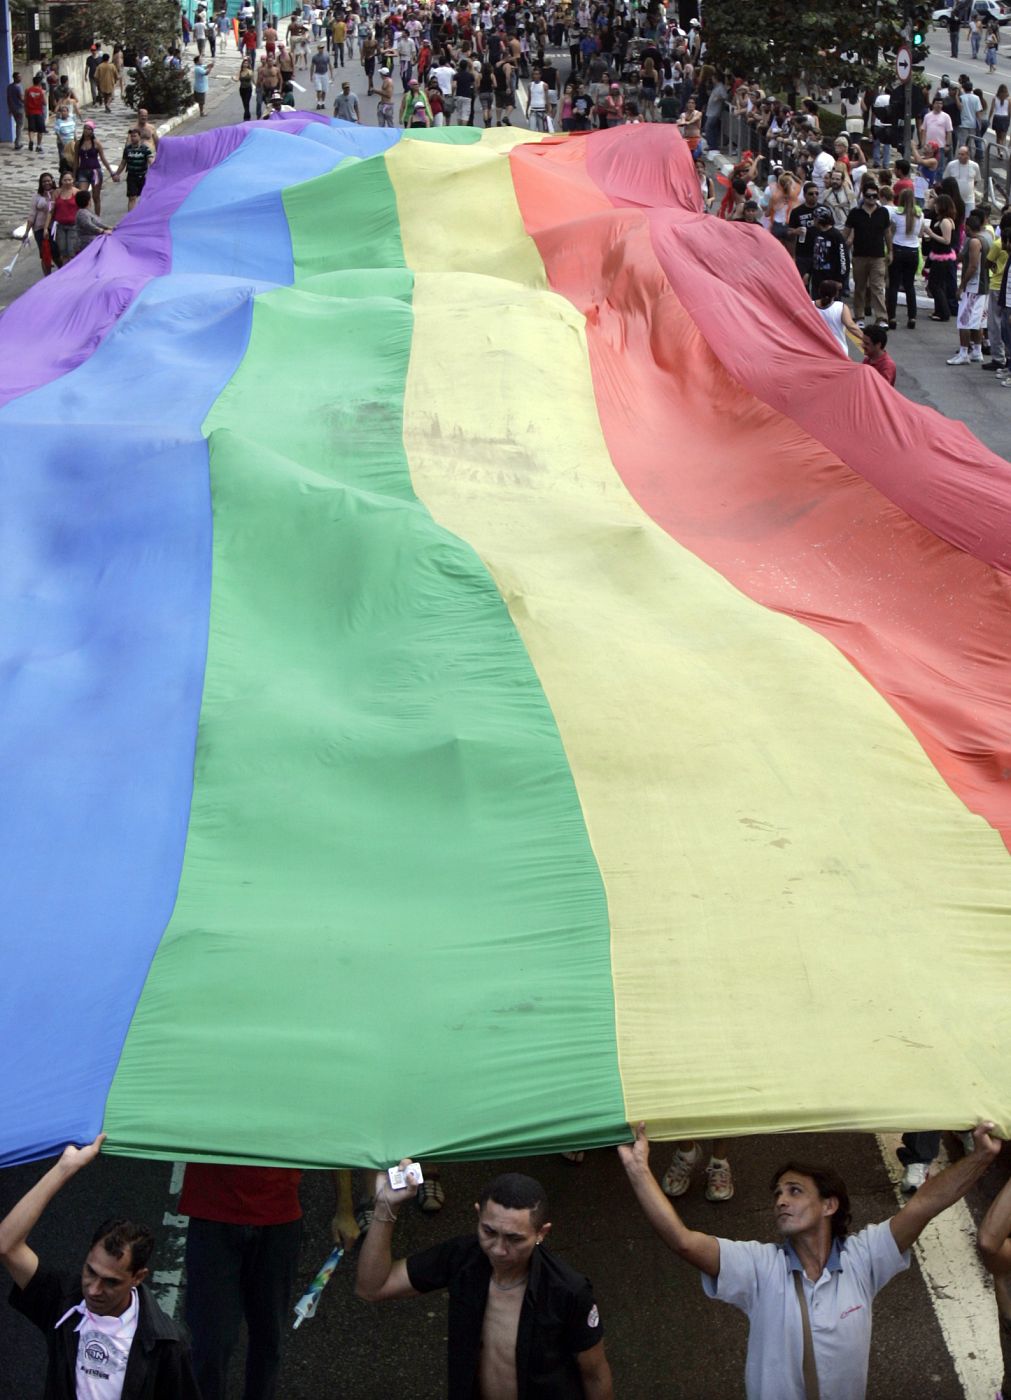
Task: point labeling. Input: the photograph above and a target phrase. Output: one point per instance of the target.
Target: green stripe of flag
(390, 935)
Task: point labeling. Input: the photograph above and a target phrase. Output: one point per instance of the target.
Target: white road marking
(960, 1289)
(166, 1282)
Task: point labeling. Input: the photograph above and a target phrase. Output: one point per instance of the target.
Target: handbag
(811, 1390)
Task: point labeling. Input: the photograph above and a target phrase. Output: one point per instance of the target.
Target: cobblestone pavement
(20, 170)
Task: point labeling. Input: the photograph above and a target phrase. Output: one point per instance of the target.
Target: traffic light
(920, 24)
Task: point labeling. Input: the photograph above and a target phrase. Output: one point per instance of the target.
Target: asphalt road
(664, 1338)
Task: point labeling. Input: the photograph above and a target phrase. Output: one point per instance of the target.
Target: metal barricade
(995, 168)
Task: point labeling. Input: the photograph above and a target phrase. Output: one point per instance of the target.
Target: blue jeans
(235, 1272)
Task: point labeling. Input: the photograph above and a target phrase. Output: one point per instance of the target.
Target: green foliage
(165, 91)
(141, 26)
(780, 44)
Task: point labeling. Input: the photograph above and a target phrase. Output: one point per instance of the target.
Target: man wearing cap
(409, 102)
(829, 254)
(384, 111)
(346, 105)
(322, 72)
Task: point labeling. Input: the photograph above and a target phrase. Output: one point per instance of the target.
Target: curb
(191, 111)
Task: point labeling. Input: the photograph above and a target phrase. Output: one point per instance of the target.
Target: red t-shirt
(249, 39)
(35, 100)
(241, 1195)
(884, 365)
(901, 185)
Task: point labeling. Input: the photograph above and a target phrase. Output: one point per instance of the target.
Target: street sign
(903, 64)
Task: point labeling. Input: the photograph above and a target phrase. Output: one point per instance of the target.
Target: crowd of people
(522, 1321)
(861, 221)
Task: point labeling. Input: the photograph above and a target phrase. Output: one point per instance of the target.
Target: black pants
(942, 285)
(919, 1147)
(235, 1272)
(902, 276)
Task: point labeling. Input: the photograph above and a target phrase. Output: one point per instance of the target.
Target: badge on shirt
(593, 1318)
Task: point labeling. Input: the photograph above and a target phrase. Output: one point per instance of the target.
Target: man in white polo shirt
(808, 1300)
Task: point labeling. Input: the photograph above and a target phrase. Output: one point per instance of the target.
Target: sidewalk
(20, 170)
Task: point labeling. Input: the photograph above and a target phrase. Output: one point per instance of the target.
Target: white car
(995, 10)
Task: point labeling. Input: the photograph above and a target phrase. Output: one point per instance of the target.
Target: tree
(162, 90)
(780, 45)
(141, 26)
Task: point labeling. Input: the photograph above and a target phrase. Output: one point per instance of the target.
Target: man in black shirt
(869, 235)
(800, 229)
(830, 256)
(521, 1322)
(104, 1332)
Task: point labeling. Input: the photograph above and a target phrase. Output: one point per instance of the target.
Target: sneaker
(975, 358)
(678, 1176)
(960, 359)
(719, 1181)
(996, 366)
(431, 1196)
(915, 1176)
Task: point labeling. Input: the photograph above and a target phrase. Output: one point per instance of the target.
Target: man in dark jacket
(104, 1332)
(521, 1321)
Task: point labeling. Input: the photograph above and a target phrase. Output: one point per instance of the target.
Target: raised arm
(17, 1257)
(380, 1276)
(941, 1191)
(692, 1245)
(994, 1229)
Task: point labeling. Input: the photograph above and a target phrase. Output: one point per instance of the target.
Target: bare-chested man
(384, 110)
(521, 1322)
(148, 135)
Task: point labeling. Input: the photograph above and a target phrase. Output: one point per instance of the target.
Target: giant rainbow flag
(479, 668)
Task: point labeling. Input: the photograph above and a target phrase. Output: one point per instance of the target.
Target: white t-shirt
(444, 76)
(103, 1349)
(900, 237)
(966, 175)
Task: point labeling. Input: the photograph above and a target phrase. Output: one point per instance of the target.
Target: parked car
(993, 10)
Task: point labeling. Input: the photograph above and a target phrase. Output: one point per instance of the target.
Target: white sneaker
(960, 359)
(719, 1181)
(678, 1176)
(915, 1176)
(976, 356)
